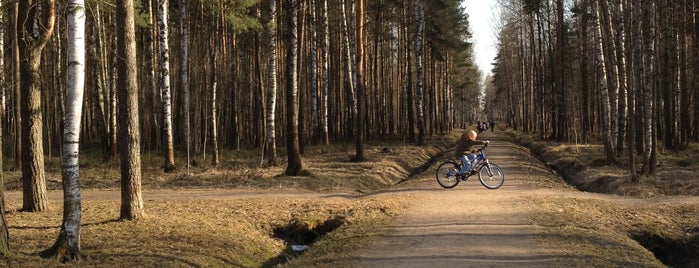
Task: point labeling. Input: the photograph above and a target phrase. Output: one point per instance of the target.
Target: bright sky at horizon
(482, 17)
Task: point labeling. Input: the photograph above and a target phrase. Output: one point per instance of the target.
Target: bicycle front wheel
(447, 174)
(491, 176)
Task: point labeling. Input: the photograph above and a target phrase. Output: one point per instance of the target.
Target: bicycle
(490, 175)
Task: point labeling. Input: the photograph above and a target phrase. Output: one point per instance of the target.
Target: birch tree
(271, 99)
(419, 29)
(67, 246)
(648, 33)
(129, 136)
(213, 45)
(34, 36)
(164, 79)
(605, 82)
(324, 70)
(349, 63)
(315, 122)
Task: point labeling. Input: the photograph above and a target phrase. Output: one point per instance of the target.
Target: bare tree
(129, 136)
(294, 165)
(213, 45)
(67, 246)
(419, 30)
(605, 83)
(324, 73)
(184, 27)
(165, 91)
(359, 43)
(35, 36)
(271, 99)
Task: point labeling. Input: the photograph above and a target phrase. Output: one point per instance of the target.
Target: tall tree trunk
(648, 85)
(99, 89)
(270, 139)
(33, 175)
(4, 233)
(324, 74)
(315, 119)
(214, 87)
(294, 165)
(259, 92)
(631, 53)
(609, 150)
(164, 78)
(16, 87)
(409, 99)
(113, 131)
(419, 25)
(562, 107)
(359, 43)
(622, 75)
(184, 26)
(695, 67)
(152, 129)
(349, 59)
(129, 136)
(67, 246)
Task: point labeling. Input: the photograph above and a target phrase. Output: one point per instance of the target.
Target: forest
(622, 73)
(192, 77)
(195, 76)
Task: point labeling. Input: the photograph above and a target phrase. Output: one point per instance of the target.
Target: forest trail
(471, 226)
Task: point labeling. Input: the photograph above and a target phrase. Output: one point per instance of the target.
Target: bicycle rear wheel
(491, 176)
(447, 174)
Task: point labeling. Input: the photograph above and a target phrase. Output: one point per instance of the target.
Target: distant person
(492, 125)
(465, 149)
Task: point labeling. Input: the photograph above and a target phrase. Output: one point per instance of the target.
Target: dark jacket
(466, 145)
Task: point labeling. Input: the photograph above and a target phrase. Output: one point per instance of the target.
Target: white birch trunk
(294, 164)
(164, 78)
(214, 88)
(67, 246)
(270, 146)
(649, 72)
(419, 21)
(349, 69)
(113, 131)
(315, 122)
(604, 88)
(326, 45)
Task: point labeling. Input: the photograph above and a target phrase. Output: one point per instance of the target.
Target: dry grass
(220, 229)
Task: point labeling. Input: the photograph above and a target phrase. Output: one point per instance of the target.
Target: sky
(482, 17)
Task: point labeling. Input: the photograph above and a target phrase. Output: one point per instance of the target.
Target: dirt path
(471, 226)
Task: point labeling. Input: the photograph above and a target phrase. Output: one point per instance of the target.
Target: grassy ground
(228, 227)
(234, 229)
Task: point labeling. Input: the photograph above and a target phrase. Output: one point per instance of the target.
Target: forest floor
(385, 212)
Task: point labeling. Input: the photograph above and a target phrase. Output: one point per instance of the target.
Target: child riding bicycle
(465, 150)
